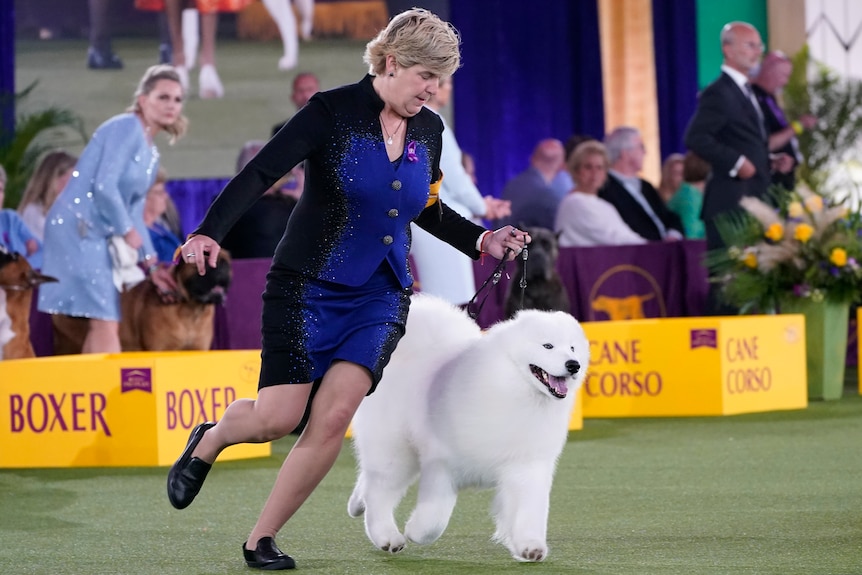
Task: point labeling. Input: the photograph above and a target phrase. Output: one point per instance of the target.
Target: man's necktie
(751, 98)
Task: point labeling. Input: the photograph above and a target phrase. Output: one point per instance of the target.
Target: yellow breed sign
(695, 366)
(129, 409)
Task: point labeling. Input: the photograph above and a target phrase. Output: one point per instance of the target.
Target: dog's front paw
(384, 534)
(529, 551)
(392, 544)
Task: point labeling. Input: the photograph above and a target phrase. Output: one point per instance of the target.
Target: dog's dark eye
(548, 346)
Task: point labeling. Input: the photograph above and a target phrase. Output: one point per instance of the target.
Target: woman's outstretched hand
(200, 250)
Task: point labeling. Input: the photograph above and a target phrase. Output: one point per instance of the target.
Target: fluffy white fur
(458, 408)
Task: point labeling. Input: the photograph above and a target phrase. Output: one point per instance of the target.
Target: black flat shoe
(267, 556)
(187, 474)
(103, 60)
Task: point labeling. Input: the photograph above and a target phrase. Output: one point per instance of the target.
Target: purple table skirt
(604, 283)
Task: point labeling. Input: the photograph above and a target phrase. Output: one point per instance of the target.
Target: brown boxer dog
(17, 279)
(160, 322)
(150, 324)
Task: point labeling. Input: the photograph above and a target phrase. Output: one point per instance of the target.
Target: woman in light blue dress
(105, 198)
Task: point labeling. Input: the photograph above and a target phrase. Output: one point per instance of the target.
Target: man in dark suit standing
(635, 199)
(727, 130)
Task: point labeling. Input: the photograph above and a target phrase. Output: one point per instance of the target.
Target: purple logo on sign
(704, 338)
(140, 378)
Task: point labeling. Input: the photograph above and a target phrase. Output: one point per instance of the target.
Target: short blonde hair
(415, 37)
(148, 82)
(582, 151)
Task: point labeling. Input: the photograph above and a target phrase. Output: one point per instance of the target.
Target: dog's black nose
(573, 366)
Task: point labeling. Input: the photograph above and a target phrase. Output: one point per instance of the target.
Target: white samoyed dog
(459, 408)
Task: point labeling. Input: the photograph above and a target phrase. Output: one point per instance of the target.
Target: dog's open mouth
(555, 384)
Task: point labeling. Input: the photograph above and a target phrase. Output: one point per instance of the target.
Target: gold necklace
(389, 136)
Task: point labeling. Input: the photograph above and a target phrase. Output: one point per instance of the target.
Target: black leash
(494, 279)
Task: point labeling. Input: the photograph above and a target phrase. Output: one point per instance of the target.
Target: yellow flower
(814, 203)
(803, 232)
(775, 232)
(750, 260)
(794, 210)
(838, 257)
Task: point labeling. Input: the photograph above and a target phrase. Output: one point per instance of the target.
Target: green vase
(826, 344)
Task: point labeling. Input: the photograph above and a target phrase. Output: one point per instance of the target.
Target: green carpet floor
(776, 493)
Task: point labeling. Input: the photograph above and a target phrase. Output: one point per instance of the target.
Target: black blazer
(633, 213)
(356, 208)
(725, 126)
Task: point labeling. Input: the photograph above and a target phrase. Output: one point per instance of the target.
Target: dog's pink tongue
(558, 384)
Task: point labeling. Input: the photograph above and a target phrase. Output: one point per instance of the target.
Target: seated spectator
(46, 183)
(573, 142)
(15, 236)
(259, 230)
(688, 201)
(171, 218)
(583, 218)
(257, 233)
(165, 242)
(635, 199)
(305, 85)
(671, 177)
(535, 193)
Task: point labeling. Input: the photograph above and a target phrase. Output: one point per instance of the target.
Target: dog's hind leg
(434, 503)
(521, 511)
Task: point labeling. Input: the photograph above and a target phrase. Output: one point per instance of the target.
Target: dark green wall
(711, 16)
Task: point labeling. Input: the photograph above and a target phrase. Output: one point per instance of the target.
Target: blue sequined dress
(104, 197)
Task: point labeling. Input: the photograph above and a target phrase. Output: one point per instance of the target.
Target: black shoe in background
(103, 60)
(166, 54)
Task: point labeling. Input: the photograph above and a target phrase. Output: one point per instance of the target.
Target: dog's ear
(37, 278)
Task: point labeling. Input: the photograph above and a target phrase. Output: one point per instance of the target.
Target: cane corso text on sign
(695, 366)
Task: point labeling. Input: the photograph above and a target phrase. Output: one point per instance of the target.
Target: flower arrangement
(806, 247)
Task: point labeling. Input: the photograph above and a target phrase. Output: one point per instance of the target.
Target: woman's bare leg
(209, 30)
(282, 13)
(173, 11)
(342, 390)
(102, 337)
(275, 413)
